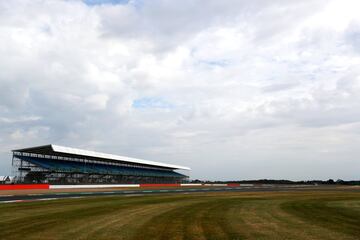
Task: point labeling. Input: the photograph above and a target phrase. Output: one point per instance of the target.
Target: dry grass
(285, 215)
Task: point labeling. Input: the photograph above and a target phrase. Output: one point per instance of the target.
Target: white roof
(69, 150)
(6, 178)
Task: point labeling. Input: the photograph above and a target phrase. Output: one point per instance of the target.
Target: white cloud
(235, 89)
(20, 119)
(97, 101)
(33, 133)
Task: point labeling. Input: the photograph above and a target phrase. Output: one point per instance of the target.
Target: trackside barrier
(228, 184)
(47, 186)
(233, 184)
(94, 186)
(216, 184)
(23, 186)
(190, 184)
(246, 184)
(160, 185)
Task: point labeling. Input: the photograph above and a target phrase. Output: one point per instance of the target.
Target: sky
(233, 89)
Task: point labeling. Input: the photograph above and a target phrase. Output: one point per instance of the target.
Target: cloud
(151, 102)
(101, 2)
(19, 119)
(235, 89)
(97, 101)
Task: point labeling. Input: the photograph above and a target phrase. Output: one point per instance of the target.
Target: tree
(330, 181)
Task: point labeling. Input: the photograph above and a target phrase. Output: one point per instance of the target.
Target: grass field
(272, 215)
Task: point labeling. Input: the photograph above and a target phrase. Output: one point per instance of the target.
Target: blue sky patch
(215, 63)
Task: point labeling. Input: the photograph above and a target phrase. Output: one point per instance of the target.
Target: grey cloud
(167, 24)
(353, 35)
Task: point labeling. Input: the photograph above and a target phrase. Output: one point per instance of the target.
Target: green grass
(286, 215)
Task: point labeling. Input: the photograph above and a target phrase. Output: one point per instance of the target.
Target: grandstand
(64, 165)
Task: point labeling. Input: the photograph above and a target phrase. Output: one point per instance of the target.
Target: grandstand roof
(52, 149)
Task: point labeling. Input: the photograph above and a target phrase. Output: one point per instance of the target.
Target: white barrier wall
(144, 185)
(190, 184)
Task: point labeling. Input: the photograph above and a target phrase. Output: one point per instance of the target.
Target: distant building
(6, 179)
(64, 165)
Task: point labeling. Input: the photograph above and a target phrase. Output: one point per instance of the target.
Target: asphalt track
(69, 195)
